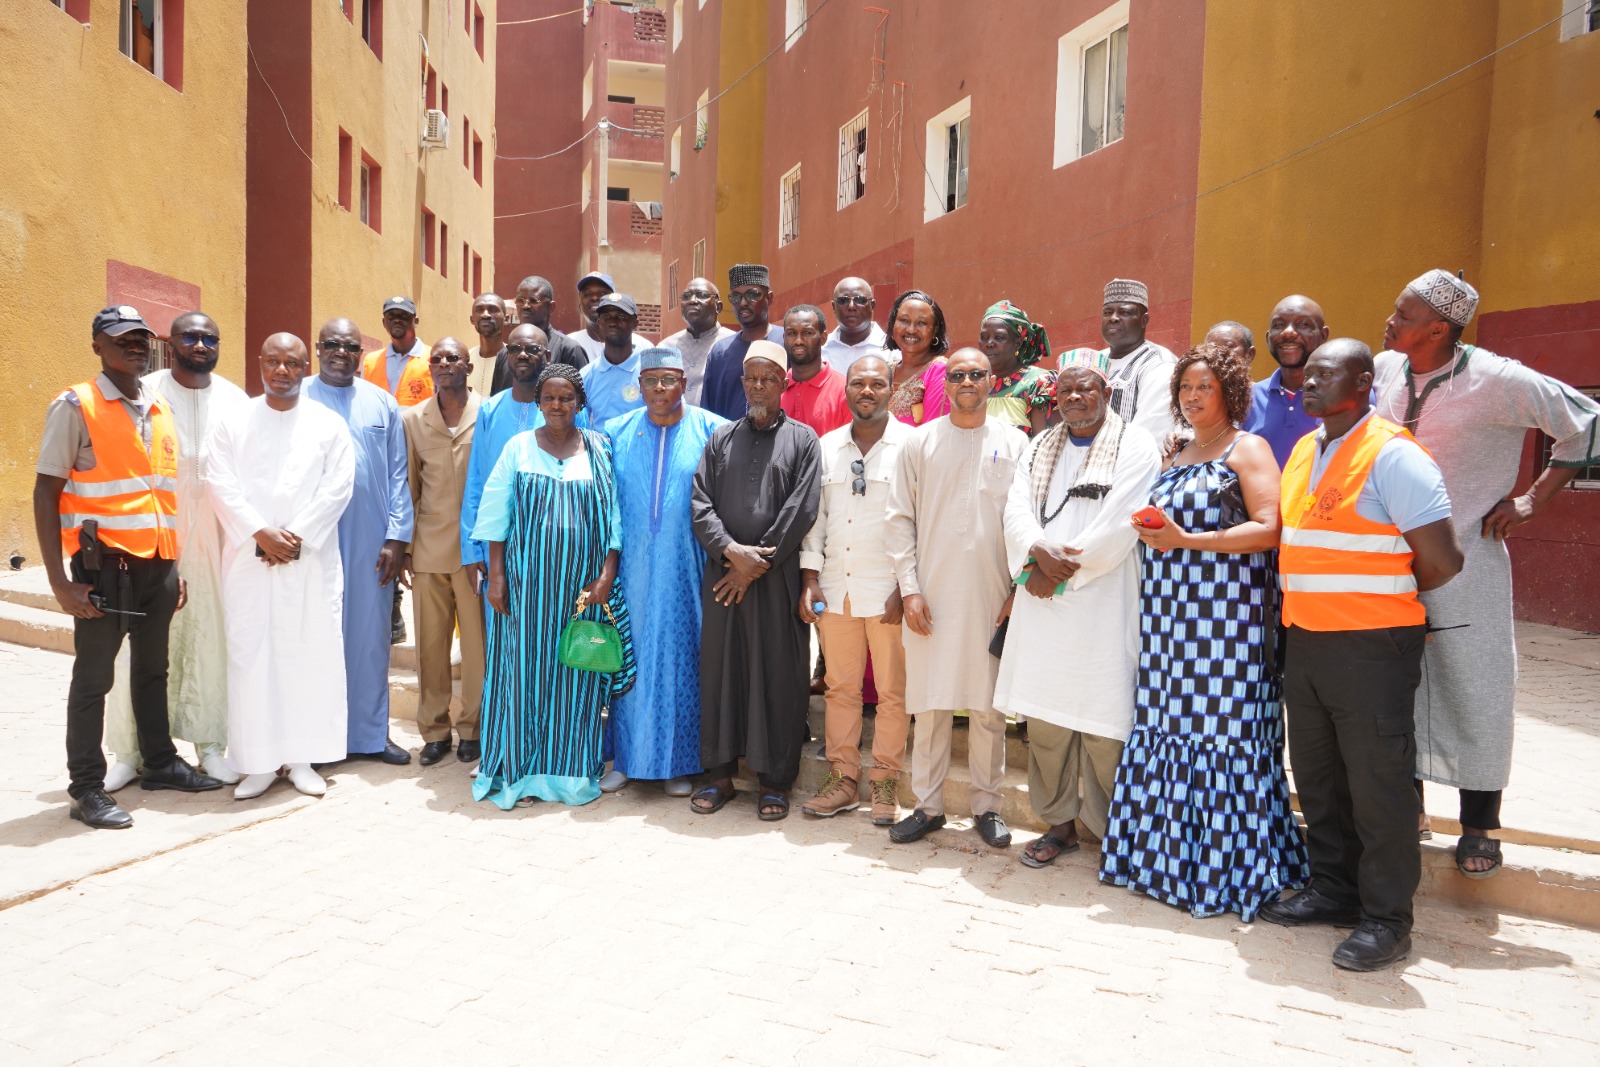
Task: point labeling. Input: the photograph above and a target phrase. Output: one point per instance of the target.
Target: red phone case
(1149, 517)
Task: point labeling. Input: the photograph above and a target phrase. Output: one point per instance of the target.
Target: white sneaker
(679, 787)
(213, 763)
(308, 781)
(120, 775)
(253, 785)
(612, 781)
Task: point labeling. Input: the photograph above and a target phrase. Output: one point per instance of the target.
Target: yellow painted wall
(737, 129)
(354, 270)
(1351, 221)
(1541, 202)
(105, 161)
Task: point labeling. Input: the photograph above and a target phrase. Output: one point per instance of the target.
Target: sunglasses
(747, 297)
(194, 339)
(448, 357)
(955, 376)
(532, 350)
(691, 296)
(858, 467)
(851, 301)
(652, 381)
(352, 347)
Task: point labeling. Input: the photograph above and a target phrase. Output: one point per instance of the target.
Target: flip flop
(771, 798)
(1476, 845)
(718, 796)
(1030, 858)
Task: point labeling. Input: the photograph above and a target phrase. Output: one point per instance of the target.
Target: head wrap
(1087, 358)
(1033, 344)
(1127, 291)
(567, 374)
(768, 350)
(749, 274)
(1452, 298)
(660, 358)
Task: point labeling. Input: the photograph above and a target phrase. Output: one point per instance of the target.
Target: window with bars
(1105, 91)
(789, 207)
(853, 160)
(1587, 478)
(672, 281)
(698, 259)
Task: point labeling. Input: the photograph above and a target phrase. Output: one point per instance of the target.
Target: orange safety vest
(416, 384)
(131, 493)
(1341, 571)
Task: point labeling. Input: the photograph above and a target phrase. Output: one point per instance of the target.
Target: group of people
(1143, 557)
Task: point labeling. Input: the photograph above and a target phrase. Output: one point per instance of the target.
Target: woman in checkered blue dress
(1200, 817)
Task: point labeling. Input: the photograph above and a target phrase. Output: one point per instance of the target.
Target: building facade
(1226, 154)
(580, 170)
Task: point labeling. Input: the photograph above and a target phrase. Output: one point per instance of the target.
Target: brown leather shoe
(836, 794)
(885, 801)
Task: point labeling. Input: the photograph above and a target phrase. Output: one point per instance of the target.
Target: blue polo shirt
(1275, 414)
(613, 388)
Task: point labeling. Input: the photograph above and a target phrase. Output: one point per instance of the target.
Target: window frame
(796, 14)
(1070, 51)
(1545, 443)
(370, 201)
(697, 258)
(347, 147)
(789, 207)
(429, 243)
(936, 136)
(370, 25)
(125, 42)
(854, 141)
(675, 153)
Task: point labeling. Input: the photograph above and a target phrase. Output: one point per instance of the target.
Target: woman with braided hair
(549, 516)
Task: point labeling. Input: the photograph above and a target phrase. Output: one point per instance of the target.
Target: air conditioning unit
(435, 129)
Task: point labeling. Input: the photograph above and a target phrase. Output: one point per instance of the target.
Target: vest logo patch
(415, 385)
(168, 453)
(1327, 502)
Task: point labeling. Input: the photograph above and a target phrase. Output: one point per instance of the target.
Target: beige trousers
(1071, 775)
(986, 759)
(845, 642)
(439, 604)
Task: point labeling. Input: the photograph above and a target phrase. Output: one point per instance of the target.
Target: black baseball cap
(118, 319)
(400, 303)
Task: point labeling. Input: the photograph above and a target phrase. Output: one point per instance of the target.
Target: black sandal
(1472, 845)
(718, 796)
(771, 798)
(1030, 857)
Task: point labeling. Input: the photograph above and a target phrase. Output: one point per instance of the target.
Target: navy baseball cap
(118, 319)
(596, 276)
(621, 301)
(400, 303)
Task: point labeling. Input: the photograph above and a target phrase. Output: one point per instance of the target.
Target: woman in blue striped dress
(549, 516)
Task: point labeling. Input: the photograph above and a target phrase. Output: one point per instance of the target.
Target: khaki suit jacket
(436, 464)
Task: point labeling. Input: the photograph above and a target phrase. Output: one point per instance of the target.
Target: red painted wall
(539, 110)
(1046, 238)
(277, 178)
(1555, 557)
(691, 202)
(160, 298)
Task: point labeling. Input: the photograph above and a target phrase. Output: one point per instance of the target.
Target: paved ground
(395, 921)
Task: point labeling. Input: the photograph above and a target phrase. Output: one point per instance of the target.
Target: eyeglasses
(330, 347)
(195, 339)
(747, 297)
(532, 350)
(448, 357)
(858, 467)
(689, 295)
(653, 381)
(954, 376)
(851, 301)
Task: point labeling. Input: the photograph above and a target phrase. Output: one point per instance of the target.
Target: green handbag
(590, 646)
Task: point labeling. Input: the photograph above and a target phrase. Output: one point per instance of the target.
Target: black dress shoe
(433, 752)
(1311, 906)
(1371, 948)
(992, 828)
(915, 827)
(177, 775)
(97, 810)
(393, 753)
(468, 751)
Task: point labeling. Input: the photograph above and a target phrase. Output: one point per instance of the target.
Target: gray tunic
(1473, 415)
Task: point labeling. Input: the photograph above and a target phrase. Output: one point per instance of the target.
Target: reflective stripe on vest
(1341, 571)
(132, 494)
(415, 385)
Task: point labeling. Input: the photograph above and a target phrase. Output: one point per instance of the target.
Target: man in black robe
(755, 498)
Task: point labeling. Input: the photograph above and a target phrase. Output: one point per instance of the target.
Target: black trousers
(1480, 808)
(132, 584)
(1353, 747)
(729, 770)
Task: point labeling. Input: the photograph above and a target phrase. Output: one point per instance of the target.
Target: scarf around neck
(1094, 476)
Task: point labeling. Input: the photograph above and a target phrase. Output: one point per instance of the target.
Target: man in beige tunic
(945, 537)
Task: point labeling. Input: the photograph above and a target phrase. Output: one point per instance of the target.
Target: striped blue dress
(1200, 817)
(540, 723)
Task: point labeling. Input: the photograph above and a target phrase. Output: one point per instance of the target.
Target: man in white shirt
(1141, 370)
(845, 568)
(700, 303)
(592, 289)
(857, 334)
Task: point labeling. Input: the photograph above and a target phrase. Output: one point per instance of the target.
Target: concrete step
(24, 624)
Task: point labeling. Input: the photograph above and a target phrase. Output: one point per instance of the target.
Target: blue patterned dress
(654, 731)
(1200, 818)
(541, 719)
